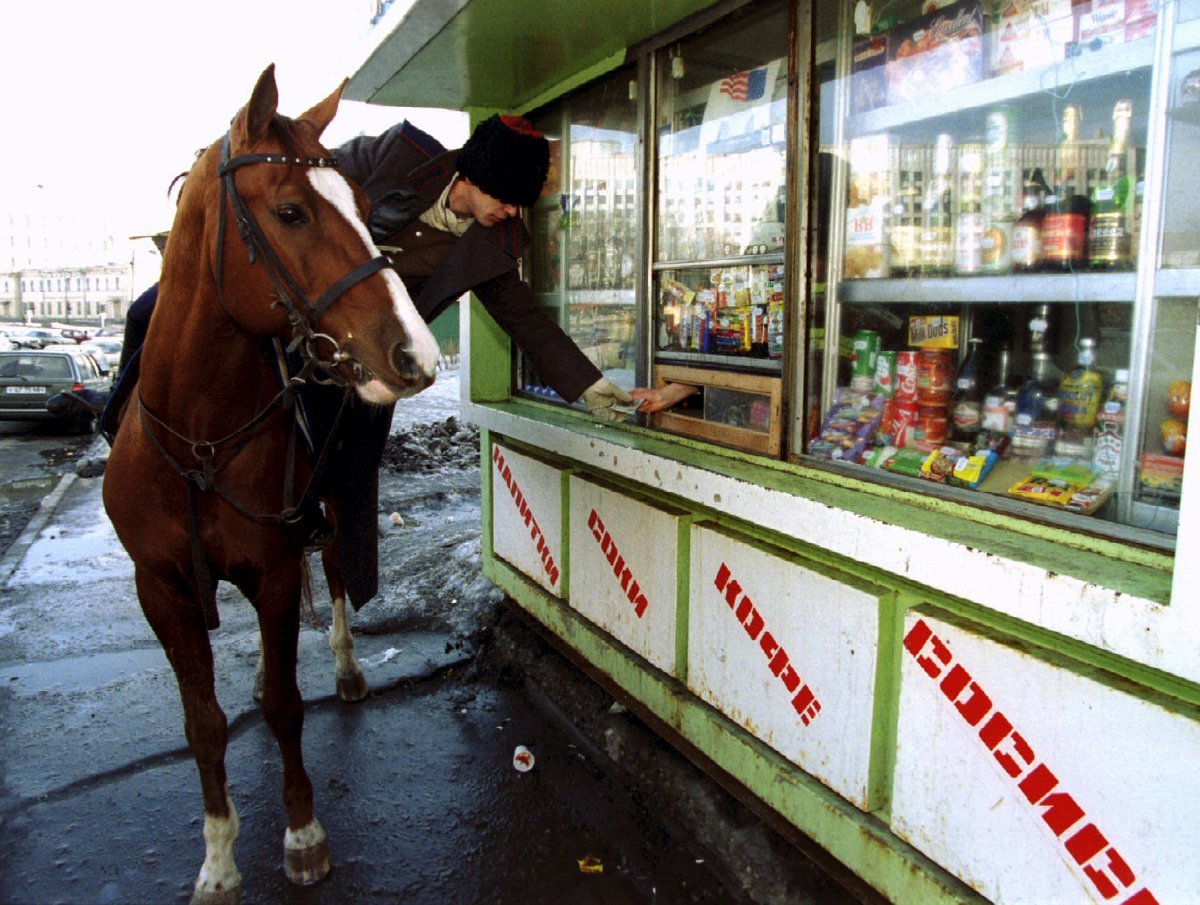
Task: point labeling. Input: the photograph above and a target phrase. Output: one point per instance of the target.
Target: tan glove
(602, 395)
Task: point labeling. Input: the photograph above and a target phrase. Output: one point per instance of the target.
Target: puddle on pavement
(26, 489)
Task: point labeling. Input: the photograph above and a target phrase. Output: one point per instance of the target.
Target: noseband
(302, 314)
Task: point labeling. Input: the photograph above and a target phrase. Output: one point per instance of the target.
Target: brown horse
(205, 481)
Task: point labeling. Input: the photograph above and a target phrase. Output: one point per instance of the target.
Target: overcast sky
(104, 102)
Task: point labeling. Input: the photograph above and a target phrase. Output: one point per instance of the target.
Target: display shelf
(1047, 288)
(732, 261)
(708, 360)
(1112, 61)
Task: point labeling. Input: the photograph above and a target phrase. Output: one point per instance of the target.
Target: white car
(6, 344)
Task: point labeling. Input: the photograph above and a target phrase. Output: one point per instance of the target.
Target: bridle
(303, 315)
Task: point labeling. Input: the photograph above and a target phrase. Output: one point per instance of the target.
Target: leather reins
(303, 316)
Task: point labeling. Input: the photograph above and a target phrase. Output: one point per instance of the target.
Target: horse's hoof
(352, 688)
(217, 896)
(306, 866)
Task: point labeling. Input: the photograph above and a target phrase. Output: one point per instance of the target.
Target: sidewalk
(415, 786)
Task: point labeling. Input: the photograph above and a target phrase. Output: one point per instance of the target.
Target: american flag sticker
(746, 86)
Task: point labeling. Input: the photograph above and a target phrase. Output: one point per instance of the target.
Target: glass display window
(994, 209)
(586, 226)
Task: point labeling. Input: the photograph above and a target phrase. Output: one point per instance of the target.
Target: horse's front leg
(351, 683)
(176, 619)
(305, 850)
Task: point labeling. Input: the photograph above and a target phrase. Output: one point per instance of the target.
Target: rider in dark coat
(448, 223)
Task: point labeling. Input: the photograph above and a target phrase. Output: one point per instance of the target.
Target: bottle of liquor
(966, 403)
(1079, 394)
(1110, 427)
(1065, 226)
(1000, 402)
(1027, 231)
(936, 242)
(1036, 422)
(969, 225)
(1110, 236)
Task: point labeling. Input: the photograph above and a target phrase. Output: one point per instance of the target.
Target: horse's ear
(256, 116)
(321, 115)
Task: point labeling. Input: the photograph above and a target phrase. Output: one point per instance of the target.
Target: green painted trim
(486, 509)
(778, 544)
(1178, 697)
(885, 718)
(683, 596)
(575, 80)
(859, 841)
(1121, 566)
(490, 357)
(564, 506)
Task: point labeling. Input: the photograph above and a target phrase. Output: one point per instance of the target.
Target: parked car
(29, 378)
(6, 343)
(98, 354)
(76, 335)
(36, 339)
(111, 331)
(111, 347)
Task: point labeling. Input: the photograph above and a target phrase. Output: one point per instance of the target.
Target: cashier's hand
(602, 395)
(662, 398)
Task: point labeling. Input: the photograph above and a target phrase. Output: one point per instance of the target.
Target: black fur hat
(507, 158)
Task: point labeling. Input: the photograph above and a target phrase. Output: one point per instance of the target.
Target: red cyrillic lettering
(1037, 784)
(1021, 748)
(722, 577)
(1086, 844)
(919, 635)
(1120, 872)
(732, 591)
(994, 730)
(789, 677)
(639, 605)
(956, 680)
(596, 525)
(769, 646)
(1062, 812)
(974, 708)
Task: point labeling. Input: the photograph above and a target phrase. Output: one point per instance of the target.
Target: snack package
(935, 53)
(849, 426)
(940, 464)
(969, 471)
(906, 460)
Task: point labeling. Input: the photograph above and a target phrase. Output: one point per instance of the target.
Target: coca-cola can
(906, 377)
(904, 422)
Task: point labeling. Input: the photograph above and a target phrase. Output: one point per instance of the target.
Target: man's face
(473, 201)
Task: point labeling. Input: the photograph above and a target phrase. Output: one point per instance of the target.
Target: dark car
(29, 378)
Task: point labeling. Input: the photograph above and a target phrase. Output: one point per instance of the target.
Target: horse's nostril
(406, 366)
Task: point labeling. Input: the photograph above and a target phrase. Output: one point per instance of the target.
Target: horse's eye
(291, 214)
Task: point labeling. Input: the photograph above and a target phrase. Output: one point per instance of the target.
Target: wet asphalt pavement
(99, 800)
(415, 786)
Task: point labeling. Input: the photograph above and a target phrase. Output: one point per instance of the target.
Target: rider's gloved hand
(602, 395)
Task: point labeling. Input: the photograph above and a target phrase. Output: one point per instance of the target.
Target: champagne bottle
(1065, 227)
(1110, 238)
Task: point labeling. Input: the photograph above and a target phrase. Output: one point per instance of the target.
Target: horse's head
(305, 264)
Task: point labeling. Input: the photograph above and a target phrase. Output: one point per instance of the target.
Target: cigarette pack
(1027, 34)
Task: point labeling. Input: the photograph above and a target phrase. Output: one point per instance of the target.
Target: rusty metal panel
(787, 652)
(1033, 782)
(527, 516)
(624, 554)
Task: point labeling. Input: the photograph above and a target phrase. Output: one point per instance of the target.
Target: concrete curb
(15, 553)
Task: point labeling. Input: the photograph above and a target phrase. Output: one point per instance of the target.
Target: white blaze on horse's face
(423, 348)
